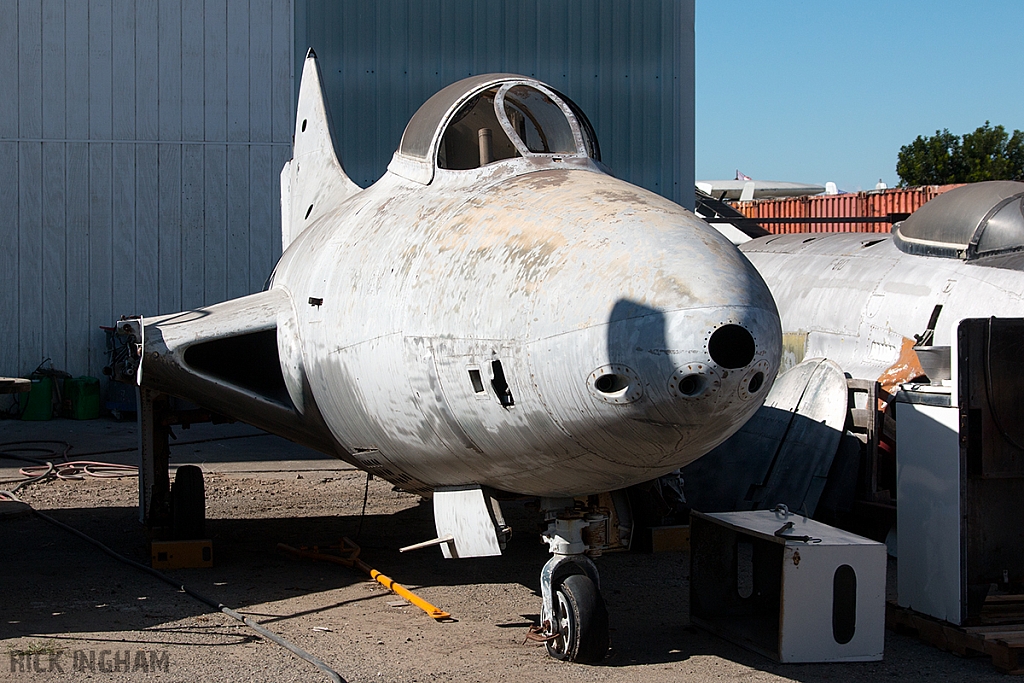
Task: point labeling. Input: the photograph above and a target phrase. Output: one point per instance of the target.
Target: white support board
(464, 514)
(928, 515)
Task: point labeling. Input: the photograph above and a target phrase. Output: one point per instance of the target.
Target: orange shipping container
(796, 214)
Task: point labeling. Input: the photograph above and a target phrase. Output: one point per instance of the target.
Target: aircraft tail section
(313, 179)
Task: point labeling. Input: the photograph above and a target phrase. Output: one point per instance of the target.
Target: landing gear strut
(574, 621)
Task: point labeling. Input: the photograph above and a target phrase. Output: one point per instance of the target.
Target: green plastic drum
(37, 404)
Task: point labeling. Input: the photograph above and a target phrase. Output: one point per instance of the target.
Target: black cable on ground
(269, 635)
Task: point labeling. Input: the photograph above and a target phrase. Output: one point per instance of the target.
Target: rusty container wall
(887, 205)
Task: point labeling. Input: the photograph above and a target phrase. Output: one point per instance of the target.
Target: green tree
(989, 153)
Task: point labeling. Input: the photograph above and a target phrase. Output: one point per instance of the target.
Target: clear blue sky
(819, 91)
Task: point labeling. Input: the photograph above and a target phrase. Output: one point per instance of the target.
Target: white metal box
(754, 581)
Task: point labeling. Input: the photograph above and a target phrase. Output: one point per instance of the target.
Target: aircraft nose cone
(675, 365)
(670, 385)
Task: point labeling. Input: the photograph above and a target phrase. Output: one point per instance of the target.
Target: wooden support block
(666, 538)
(181, 554)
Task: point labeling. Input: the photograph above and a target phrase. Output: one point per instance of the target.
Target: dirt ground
(65, 602)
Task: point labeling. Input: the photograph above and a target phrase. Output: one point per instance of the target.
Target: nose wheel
(580, 623)
(574, 621)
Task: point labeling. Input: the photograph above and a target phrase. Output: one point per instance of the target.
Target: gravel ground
(66, 601)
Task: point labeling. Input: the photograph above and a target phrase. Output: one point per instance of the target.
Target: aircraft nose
(670, 385)
(671, 369)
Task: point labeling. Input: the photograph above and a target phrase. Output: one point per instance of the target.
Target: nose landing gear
(574, 621)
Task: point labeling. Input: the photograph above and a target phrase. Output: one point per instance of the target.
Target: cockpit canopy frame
(525, 117)
(972, 222)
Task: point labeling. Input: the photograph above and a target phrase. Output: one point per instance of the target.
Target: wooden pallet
(999, 635)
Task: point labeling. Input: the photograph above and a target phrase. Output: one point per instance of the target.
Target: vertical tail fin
(313, 180)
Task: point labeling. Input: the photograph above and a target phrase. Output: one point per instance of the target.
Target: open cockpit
(485, 119)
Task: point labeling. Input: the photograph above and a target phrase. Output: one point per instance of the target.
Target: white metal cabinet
(928, 514)
(820, 600)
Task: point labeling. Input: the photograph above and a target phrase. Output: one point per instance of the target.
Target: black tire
(188, 503)
(582, 622)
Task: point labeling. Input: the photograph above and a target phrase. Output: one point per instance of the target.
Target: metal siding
(110, 205)
(30, 251)
(237, 186)
(76, 213)
(29, 183)
(54, 285)
(629, 65)
(853, 205)
(149, 68)
(9, 323)
(123, 166)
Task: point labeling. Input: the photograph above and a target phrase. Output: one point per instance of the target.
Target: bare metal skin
(860, 299)
(531, 324)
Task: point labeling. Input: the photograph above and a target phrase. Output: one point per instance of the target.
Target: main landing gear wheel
(580, 620)
(188, 503)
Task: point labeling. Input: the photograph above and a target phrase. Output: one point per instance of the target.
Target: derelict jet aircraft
(875, 307)
(876, 304)
(495, 315)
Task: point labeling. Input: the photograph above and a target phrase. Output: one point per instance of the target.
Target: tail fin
(313, 180)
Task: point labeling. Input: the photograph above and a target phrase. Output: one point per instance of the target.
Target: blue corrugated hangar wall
(628, 64)
(140, 149)
(141, 142)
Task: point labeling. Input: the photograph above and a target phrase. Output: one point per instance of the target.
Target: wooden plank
(9, 324)
(54, 284)
(1004, 647)
(192, 235)
(262, 206)
(169, 72)
(122, 231)
(148, 234)
(30, 255)
(1004, 659)
(214, 224)
(125, 62)
(1016, 599)
(1012, 634)
(986, 631)
(53, 71)
(237, 275)
(76, 240)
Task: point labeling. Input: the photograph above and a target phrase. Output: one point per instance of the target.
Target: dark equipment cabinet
(990, 356)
